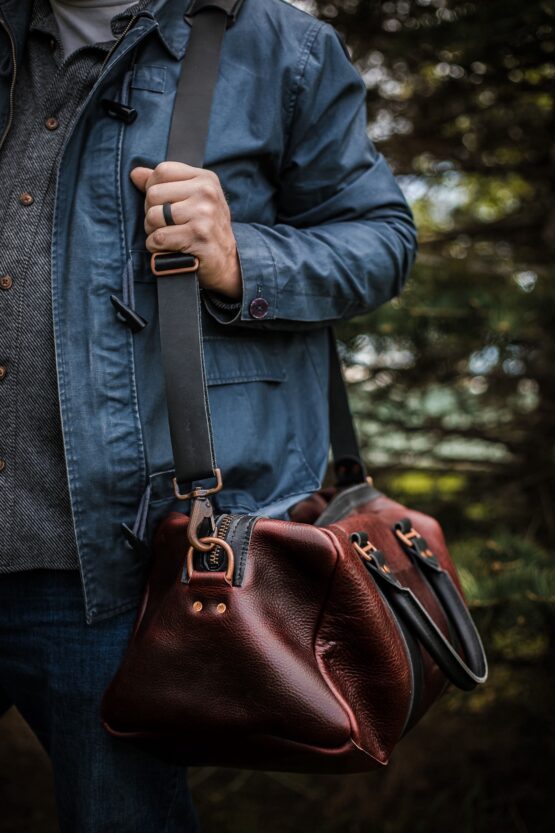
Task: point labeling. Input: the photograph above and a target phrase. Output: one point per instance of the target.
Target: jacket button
(6, 282)
(259, 308)
(26, 198)
(51, 123)
(3, 371)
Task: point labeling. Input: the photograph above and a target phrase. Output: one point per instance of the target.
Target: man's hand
(202, 221)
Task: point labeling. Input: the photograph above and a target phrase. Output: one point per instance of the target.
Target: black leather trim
(464, 676)
(345, 502)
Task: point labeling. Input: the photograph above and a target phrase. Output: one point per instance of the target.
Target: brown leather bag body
(305, 645)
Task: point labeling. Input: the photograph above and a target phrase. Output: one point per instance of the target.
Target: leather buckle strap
(173, 263)
(414, 544)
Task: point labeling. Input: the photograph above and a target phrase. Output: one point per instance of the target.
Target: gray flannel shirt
(36, 528)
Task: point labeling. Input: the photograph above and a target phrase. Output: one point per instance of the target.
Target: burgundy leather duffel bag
(305, 645)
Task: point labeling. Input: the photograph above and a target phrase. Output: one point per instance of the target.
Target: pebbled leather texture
(307, 668)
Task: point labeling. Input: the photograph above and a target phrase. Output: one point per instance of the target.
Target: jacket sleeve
(344, 240)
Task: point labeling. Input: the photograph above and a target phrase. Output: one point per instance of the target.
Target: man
(297, 222)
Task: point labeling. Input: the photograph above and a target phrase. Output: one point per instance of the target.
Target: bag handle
(466, 673)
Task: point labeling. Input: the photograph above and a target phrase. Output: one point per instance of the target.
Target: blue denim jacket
(323, 233)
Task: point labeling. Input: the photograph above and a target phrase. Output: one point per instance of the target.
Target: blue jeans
(55, 668)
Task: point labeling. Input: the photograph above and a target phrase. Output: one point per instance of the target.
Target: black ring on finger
(167, 212)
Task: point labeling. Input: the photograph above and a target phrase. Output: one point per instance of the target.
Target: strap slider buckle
(173, 263)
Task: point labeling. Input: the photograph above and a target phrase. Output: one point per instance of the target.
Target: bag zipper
(223, 525)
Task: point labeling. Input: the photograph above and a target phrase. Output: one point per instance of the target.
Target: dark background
(454, 393)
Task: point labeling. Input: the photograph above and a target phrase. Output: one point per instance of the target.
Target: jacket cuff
(258, 277)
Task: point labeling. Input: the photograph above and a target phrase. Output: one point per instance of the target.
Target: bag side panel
(361, 650)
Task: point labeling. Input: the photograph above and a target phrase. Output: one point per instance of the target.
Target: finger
(139, 177)
(171, 171)
(171, 192)
(171, 239)
(191, 208)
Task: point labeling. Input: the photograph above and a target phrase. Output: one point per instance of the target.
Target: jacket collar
(168, 14)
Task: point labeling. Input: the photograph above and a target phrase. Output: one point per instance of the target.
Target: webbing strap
(178, 295)
(179, 302)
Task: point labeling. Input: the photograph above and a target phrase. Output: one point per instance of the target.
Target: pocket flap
(232, 360)
(149, 78)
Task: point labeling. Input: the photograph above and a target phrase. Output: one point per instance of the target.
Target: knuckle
(209, 190)
(205, 209)
(158, 237)
(202, 228)
(163, 169)
(153, 195)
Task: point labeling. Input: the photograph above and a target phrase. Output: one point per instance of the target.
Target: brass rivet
(221, 608)
(197, 607)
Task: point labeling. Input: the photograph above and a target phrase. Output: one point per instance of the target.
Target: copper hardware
(200, 512)
(221, 608)
(163, 272)
(408, 537)
(216, 542)
(200, 492)
(197, 607)
(366, 551)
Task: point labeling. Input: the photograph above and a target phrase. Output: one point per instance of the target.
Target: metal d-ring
(216, 542)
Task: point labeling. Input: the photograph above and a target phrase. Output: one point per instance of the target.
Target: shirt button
(6, 282)
(26, 198)
(51, 123)
(259, 308)
(2, 464)
(3, 371)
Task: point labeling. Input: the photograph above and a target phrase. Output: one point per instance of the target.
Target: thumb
(139, 177)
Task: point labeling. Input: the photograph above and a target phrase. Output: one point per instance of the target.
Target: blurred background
(453, 388)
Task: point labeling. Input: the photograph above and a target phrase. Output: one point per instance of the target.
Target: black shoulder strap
(178, 291)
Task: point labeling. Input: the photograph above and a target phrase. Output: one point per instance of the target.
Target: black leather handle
(465, 673)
